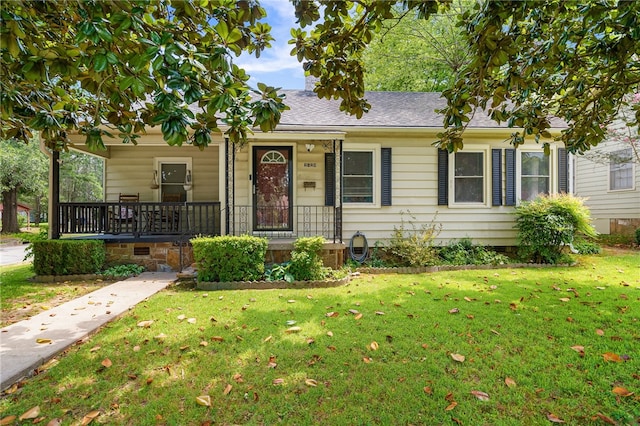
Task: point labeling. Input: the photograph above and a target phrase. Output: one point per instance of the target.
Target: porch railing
(299, 221)
(140, 218)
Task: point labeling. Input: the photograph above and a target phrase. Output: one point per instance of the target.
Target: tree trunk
(37, 211)
(10, 212)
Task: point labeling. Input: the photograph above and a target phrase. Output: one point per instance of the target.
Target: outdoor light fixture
(310, 147)
(154, 181)
(188, 181)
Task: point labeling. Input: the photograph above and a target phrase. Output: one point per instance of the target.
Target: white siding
(592, 183)
(129, 170)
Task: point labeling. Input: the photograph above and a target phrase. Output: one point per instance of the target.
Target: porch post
(338, 203)
(54, 218)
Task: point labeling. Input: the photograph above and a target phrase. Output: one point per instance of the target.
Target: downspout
(54, 190)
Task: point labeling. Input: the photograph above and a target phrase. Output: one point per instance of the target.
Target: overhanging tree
(70, 66)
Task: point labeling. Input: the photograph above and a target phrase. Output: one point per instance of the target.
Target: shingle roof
(388, 109)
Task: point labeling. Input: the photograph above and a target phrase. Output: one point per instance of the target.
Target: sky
(276, 67)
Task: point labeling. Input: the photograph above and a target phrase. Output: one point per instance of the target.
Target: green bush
(638, 236)
(279, 272)
(411, 245)
(306, 260)
(68, 257)
(128, 270)
(464, 252)
(228, 258)
(583, 246)
(549, 223)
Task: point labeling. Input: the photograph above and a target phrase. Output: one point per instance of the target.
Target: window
(621, 170)
(358, 183)
(535, 174)
(468, 177)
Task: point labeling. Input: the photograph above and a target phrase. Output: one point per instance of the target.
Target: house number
(310, 164)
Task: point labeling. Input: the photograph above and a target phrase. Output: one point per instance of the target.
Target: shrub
(128, 270)
(464, 252)
(228, 258)
(306, 261)
(638, 236)
(583, 246)
(411, 245)
(279, 272)
(68, 257)
(548, 223)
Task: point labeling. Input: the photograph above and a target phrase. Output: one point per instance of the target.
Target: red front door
(272, 189)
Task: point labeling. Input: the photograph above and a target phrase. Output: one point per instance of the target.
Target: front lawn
(501, 347)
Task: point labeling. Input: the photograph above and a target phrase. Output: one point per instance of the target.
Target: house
(321, 173)
(608, 176)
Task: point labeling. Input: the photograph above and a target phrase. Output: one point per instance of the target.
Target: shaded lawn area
(500, 347)
(21, 298)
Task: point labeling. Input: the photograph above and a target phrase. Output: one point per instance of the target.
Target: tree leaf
(311, 382)
(217, 339)
(610, 356)
(482, 396)
(606, 419)
(565, 299)
(44, 341)
(600, 332)
(458, 357)
(145, 324)
(554, 419)
(451, 406)
(106, 363)
(373, 346)
(9, 420)
(454, 311)
(278, 381)
(620, 391)
(31, 413)
(204, 400)
(89, 417)
(358, 316)
(332, 314)
(227, 389)
(55, 422)
(191, 320)
(291, 330)
(510, 382)
(182, 317)
(579, 349)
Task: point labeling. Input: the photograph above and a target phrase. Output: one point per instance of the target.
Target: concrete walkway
(64, 325)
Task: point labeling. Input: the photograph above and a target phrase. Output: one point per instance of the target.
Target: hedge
(67, 257)
(228, 258)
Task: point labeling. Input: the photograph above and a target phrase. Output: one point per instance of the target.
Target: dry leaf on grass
(55, 422)
(145, 324)
(106, 363)
(204, 400)
(482, 396)
(32, 413)
(374, 346)
(610, 356)
(620, 391)
(227, 389)
(89, 417)
(451, 406)
(510, 382)
(293, 330)
(9, 420)
(458, 357)
(554, 419)
(311, 382)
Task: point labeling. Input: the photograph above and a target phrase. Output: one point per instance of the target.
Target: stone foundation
(153, 256)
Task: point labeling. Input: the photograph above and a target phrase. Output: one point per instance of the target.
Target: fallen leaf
(451, 406)
(311, 382)
(330, 333)
(606, 419)
(106, 363)
(204, 400)
(191, 320)
(291, 301)
(359, 316)
(9, 420)
(565, 299)
(227, 390)
(428, 390)
(94, 349)
(373, 346)
(367, 360)
(238, 378)
(600, 332)
(89, 417)
(458, 357)
(277, 382)
(136, 348)
(160, 337)
(293, 330)
(554, 419)
(10, 390)
(579, 349)
(204, 343)
(379, 313)
(454, 311)
(620, 391)
(32, 413)
(181, 317)
(44, 341)
(354, 311)
(332, 314)
(145, 324)
(267, 339)
(482, 396)
(55, 422)
(510, 382)
(610, 356)
(217, 339)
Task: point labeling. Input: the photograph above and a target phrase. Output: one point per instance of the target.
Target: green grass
(20, 297)
(519, 324)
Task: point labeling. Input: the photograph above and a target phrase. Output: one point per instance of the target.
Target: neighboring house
(23, 210)
(608, 176)
(324, 173)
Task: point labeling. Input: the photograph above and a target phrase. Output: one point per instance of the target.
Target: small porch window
(172, 173)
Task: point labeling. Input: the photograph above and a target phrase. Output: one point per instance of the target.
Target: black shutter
(496, 177)
(443, 177)
(563, 171)
(386, 176)
(510, 170)
(329, 179)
